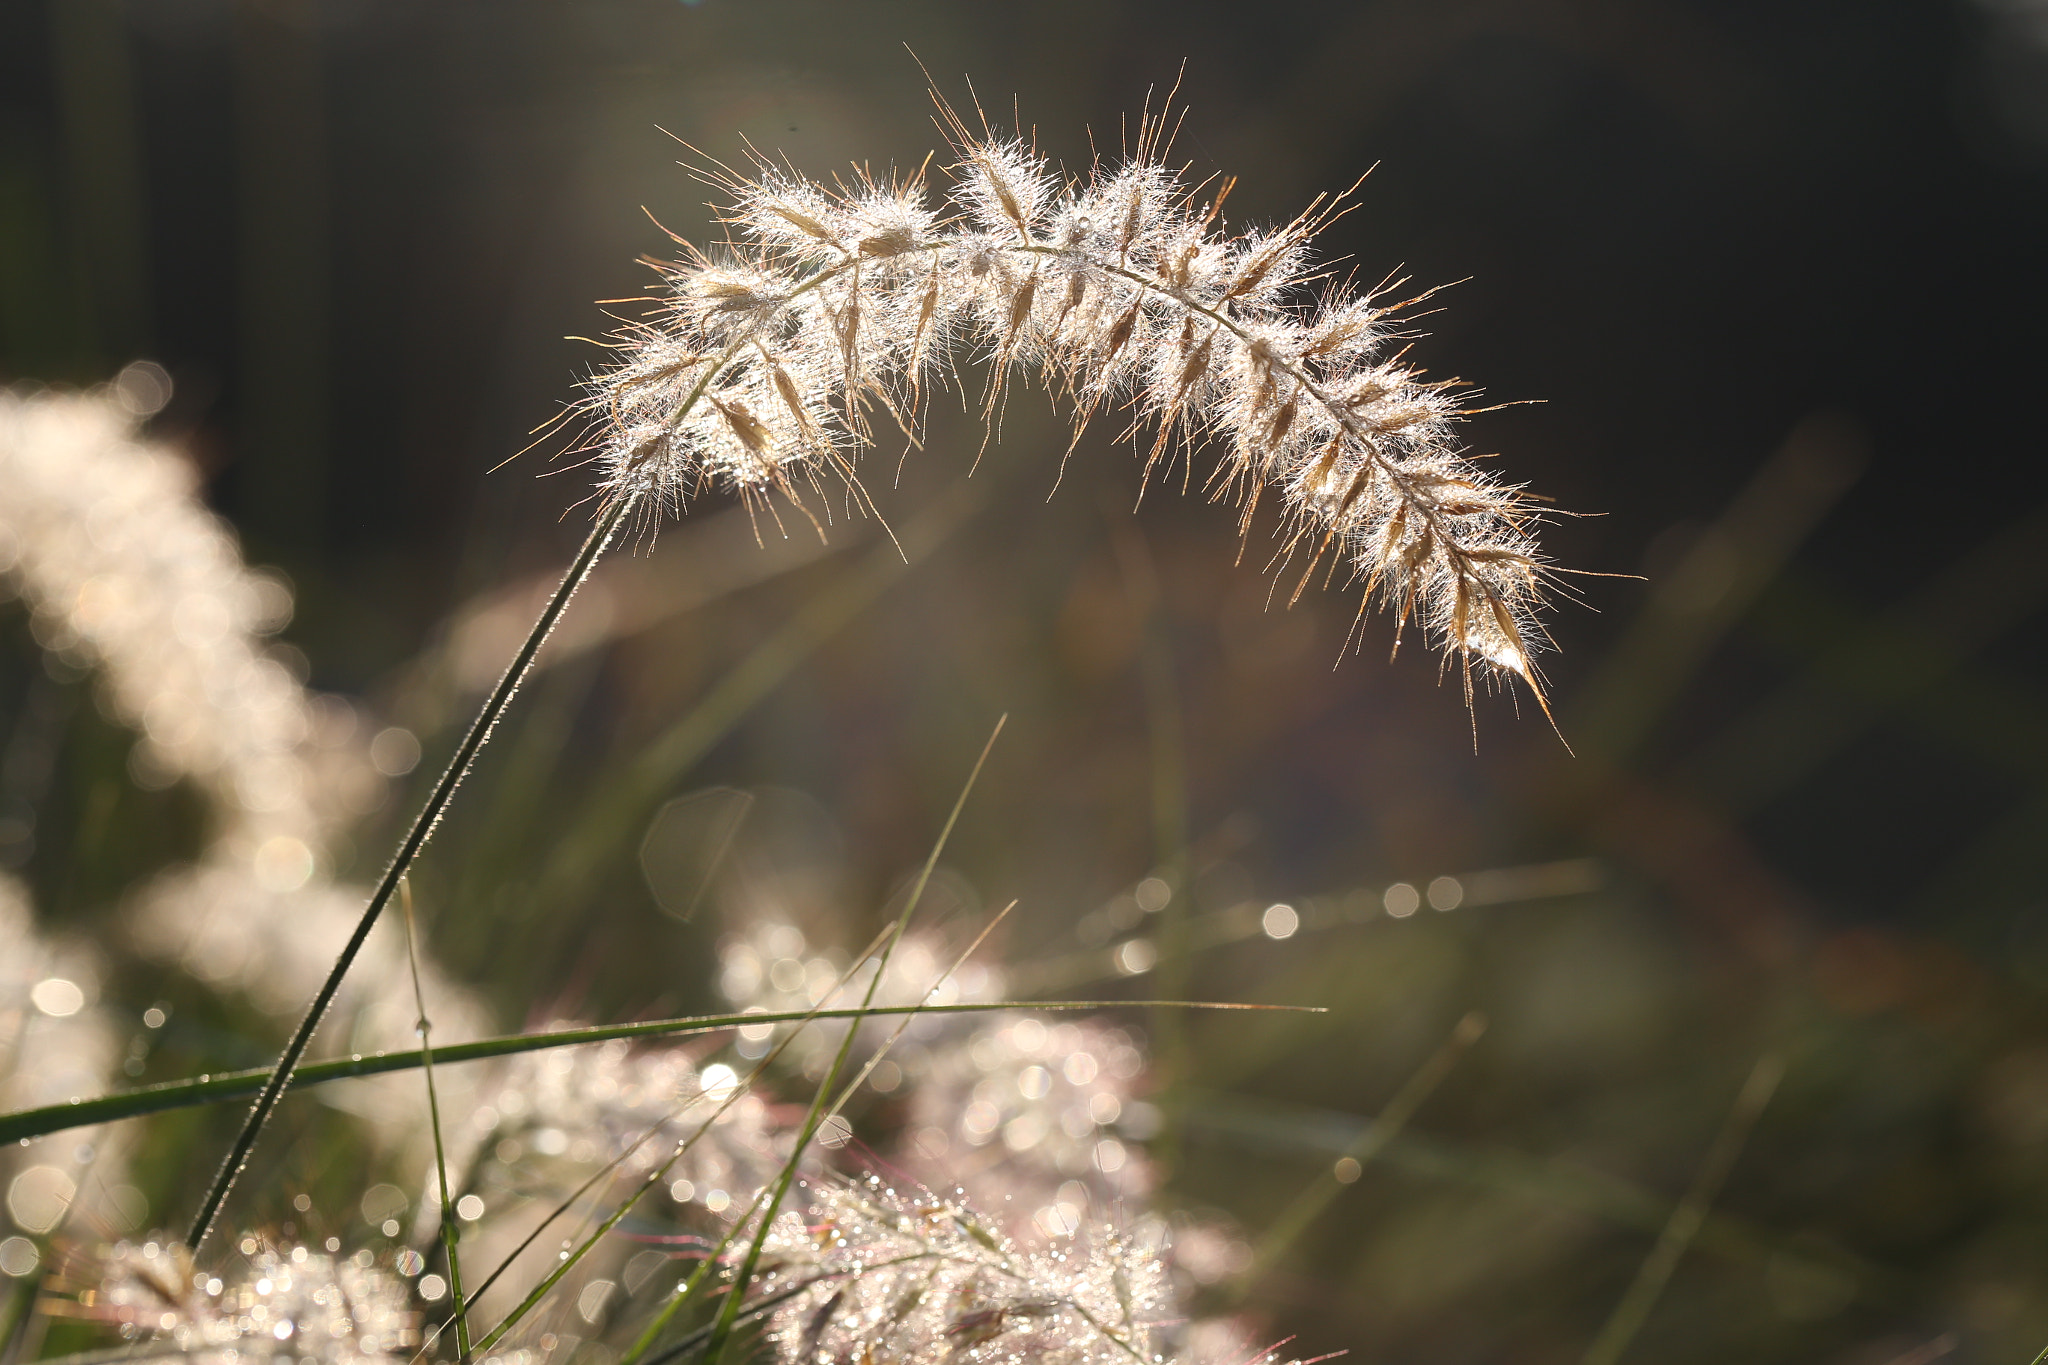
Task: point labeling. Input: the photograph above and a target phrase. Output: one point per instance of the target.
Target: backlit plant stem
(609, 520)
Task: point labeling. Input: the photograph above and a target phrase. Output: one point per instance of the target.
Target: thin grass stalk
(609, 520)
(717, 863)
(1629, 1315)
(903, 1026)
(752, 1313)
(570, 1261)
(1294, 1220)
(448, 1230)
(685, 1292)
(714, 1349)
(593, 836)
(533, 1298)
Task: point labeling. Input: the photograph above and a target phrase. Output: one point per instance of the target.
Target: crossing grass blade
(714, 1347)
(448, 1229)
(1383, 1130)
(1634, 1309)
(25, 1124)
(653, 1178)
(687, 1291)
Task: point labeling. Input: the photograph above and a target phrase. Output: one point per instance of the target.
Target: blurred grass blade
(17, 1319)
(741, 808)
(1934, 1350)
(1713, 586)
(1271, 1126)
(1655, 1273)
(1166, 731)
(1381, 1131)
(616, 814)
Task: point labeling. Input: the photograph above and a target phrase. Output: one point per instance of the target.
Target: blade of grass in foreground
(231, 1085)
(687, 1291)
(570, 1258)
(608, 523)
(728, 1313)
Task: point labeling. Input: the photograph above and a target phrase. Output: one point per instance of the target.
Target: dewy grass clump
(766, 364)
(275, 1303)
(882, 1275)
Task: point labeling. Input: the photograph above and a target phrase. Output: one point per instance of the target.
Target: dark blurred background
(1775, 273)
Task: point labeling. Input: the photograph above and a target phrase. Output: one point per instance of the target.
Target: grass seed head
(826, 302)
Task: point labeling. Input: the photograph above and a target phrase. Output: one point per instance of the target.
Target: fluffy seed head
(764, 369)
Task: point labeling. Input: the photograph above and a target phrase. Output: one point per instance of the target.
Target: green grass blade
(448, 1230)
(721, 1333)
(868, 1068)
(1381, 1131)
(1655, 1272)
(688, 1290)
(685, 1291)
(23, 1124)
(569, 1261)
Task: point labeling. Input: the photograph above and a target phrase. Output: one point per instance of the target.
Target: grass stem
(728, 1312)
(449, 1232)
(215, 1087)
(608, 523)
(1655, 1272)
(1307, 1205)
